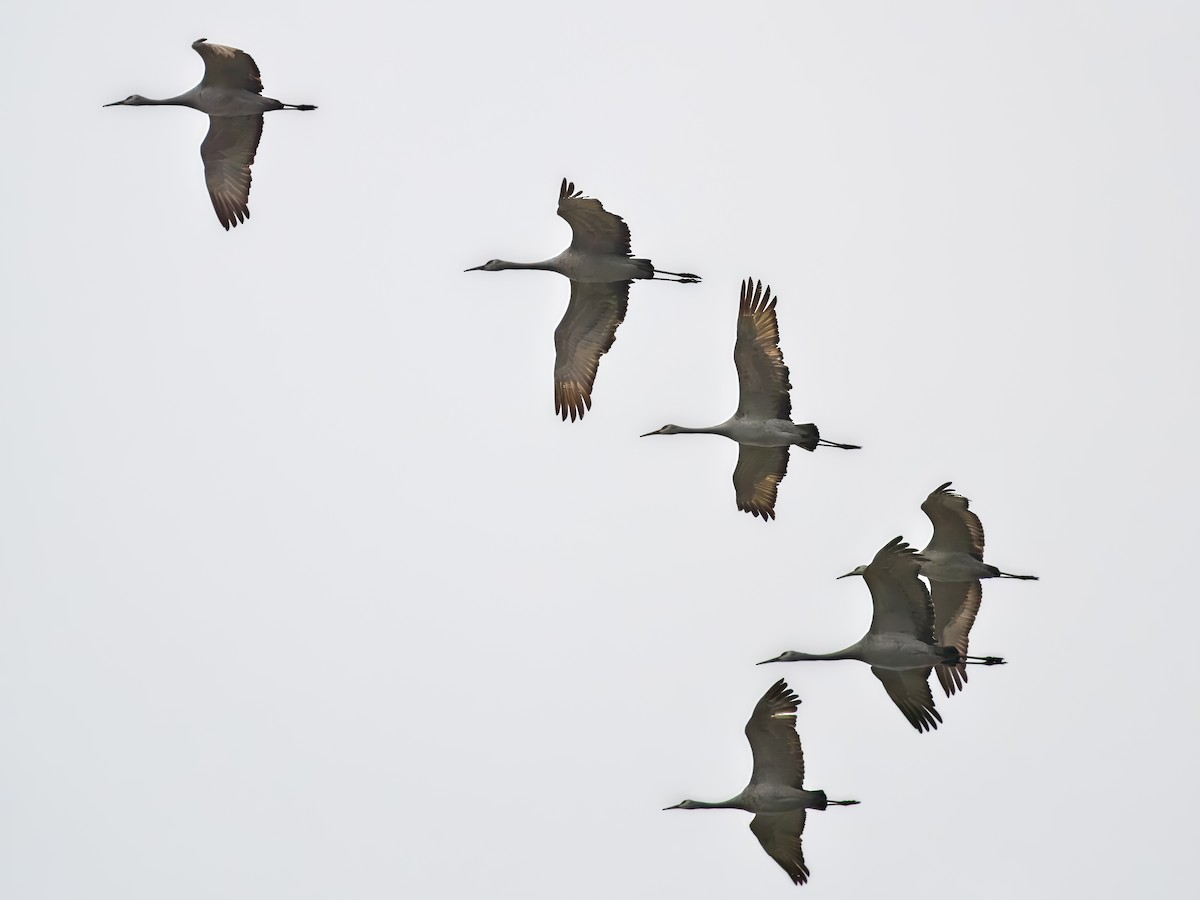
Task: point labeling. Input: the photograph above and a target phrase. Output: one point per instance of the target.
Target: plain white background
(306, 593)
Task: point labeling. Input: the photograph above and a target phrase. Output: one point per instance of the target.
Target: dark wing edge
(228, 153)
(774, 743)
(764, 382)
(229, 66)
(952, 519)
(780, 836)
(756, 479)
(955, 606)
(593, 228)
(586, 332)
(895, 568)
(909, 690)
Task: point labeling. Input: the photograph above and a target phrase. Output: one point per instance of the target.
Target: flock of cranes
(915, 630)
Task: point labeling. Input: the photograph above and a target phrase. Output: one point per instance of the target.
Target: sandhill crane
(955, 605)
(899, 646)
(762, 425)
(776, 793)
(954, 564)
(600, 268)
(231, 93)
(955, 552)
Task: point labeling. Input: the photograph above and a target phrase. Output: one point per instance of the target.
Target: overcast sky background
(306, 593)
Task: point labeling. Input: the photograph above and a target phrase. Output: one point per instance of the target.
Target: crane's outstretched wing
(587, 330)
(763, 381)
(955, 605)
(780, 835)
(228, 152)
(955, 527)
(756, 478)
(909, 690)
(899, 598)
(228, 67)
(593, 228)
(771, 731)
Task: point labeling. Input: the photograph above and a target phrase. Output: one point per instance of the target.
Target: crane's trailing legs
(681, 277)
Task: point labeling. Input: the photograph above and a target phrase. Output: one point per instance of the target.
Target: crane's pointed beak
(474, 269)
(779, 658)
(847, 575)
(648, 433)
(676, 806)
(114, 103)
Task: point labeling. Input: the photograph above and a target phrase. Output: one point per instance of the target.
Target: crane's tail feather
(809, 437)
(950, 656)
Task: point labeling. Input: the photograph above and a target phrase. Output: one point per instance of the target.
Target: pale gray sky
(306, 593)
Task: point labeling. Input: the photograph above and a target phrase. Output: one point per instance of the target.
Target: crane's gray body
(943, 565)
(777, 798)
(757, 432)
(589, 268)
(897, 652)
(221, 101)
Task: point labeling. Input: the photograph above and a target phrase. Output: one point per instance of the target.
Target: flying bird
(776, 793)
(601, 268)
(762, 425)
(955, 552)
(954, 565)
(899, 646)
(231, 93)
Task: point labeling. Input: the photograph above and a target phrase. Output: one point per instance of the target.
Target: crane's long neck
(187, 99)
(731, 803)
(546, 265)
(711, 429)
(851, 652)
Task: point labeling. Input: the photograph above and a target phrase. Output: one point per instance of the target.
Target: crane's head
(786, 656)
(686, 804)
(131, 100)
(858, 570)
(666, 429)
(492, 265)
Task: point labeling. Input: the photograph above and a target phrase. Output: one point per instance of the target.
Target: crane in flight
(953, 563)
(231, 94)
(899, 646)
(776, 793)
(600, 267)
(955, 552)
(762, 425)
